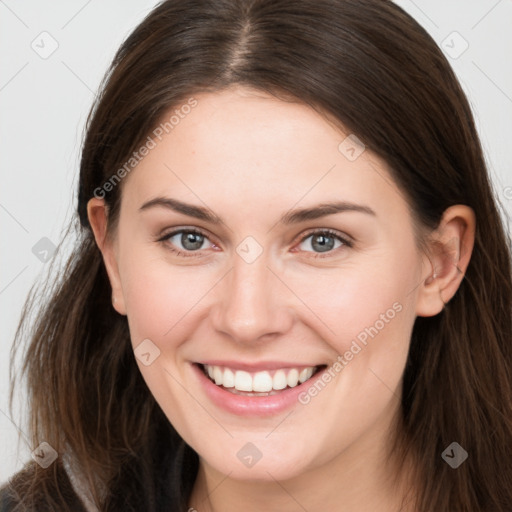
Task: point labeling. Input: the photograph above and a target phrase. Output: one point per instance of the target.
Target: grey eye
(321, 242)
(189, 240)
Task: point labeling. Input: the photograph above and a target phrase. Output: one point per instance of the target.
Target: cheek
(360, 302)
(160, 296)
(163, 309)
(366, 314)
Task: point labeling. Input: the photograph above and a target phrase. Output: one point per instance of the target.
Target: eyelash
(191, 254)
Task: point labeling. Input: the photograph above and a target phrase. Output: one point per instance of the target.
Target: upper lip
(259, 366)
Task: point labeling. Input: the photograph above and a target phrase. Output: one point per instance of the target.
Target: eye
(324, 241)
(185, 241)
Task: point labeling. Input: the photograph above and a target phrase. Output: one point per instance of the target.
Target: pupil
(325, 243)
(191, 241)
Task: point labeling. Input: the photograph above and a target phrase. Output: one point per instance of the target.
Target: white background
(44, 104)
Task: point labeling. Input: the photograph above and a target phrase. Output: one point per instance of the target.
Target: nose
(251, 303)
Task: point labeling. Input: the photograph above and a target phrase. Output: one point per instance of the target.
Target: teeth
(259, 382)
(218, 375)
(293, 378)
(243, 381)
(305, 374)
(279, 380)
(262, 382)
(228, 379)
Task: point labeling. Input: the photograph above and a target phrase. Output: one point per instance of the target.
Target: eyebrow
(291, 217)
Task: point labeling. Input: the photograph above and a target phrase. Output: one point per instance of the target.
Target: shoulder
(29, 492)
(7, 498)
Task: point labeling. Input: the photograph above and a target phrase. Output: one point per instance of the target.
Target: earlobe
(449, 253)
(97, 213)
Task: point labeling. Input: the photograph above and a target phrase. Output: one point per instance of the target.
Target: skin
(250, 158)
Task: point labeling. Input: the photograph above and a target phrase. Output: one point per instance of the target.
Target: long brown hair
(370, 66)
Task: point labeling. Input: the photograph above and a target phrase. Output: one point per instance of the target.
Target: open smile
(261, 383)
(257, 392)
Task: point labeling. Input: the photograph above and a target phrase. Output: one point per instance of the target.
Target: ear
(97, 212)
(448, 253)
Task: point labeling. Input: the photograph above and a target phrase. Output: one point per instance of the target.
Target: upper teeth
(259, 381)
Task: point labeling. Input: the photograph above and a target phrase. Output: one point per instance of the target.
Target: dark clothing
(10, 494)
(7, 502)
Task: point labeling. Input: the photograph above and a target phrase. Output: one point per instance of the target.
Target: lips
(254, 403)
(263, 381)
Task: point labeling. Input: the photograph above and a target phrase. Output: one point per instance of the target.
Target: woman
(292, 289)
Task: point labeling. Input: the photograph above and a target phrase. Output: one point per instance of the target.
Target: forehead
(241, 148)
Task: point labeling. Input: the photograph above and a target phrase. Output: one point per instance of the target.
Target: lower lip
(252, 405)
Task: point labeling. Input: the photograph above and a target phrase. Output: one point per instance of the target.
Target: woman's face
(256, 242)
